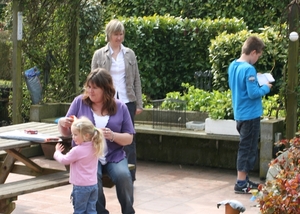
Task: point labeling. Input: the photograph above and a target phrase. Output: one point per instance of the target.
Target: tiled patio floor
(160, 188)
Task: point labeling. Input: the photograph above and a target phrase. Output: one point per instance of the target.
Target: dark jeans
(120, 175)
(248, 147)
(131, 149)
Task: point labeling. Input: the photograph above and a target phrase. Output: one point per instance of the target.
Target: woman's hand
(138, 111)
(64, 125)
(66, 122)
(108, 134)
(122, 139)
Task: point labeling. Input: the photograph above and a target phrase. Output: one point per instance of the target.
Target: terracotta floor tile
(159, 189)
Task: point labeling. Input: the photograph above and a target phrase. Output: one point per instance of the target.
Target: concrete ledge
(148, 129)
(48, 110)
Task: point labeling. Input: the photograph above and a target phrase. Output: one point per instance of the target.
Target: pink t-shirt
(83, 164)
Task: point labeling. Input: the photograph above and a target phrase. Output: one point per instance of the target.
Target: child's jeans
(84, 199)
(248, 147)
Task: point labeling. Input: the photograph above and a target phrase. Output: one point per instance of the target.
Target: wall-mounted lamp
(294, 36)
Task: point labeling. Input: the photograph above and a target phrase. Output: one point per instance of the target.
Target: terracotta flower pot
(230, 210)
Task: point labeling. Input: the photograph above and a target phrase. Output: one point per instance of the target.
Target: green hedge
(257, 14)
(227, 47)
(171, 49)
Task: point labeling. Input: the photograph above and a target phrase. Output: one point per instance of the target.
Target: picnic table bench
(42, 178)
(11, 191)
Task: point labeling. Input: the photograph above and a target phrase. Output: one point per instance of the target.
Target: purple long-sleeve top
(120, 123)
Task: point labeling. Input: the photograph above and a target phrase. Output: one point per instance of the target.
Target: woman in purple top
(111, 115)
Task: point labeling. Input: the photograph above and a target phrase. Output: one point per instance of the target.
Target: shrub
(218, 104)
(227, 47)
(171, 49)
(281, 194)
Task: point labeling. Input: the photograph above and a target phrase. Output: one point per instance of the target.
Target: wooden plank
(29, 163)
(23, 170)
(13, 144)
(12, 189)
(131, 166)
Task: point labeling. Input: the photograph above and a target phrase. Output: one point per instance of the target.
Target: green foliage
(5, 55)
(273, 106)
(91, 23)
(257, 14)
(146, 102)
(171, 49)
(227, 47)
(46, 45)
(217, 104)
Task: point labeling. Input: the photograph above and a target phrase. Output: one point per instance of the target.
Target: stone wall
(183, 150)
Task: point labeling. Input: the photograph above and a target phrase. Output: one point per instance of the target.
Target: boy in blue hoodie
(247, 107)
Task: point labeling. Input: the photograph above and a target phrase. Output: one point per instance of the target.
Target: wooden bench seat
(9, 191)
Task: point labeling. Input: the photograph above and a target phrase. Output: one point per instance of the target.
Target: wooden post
(17, 63)
(292, 79)
(74, 45)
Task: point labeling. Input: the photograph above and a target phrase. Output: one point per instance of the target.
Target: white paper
(265, 78)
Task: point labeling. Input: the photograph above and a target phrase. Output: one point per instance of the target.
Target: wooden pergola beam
(17, 65)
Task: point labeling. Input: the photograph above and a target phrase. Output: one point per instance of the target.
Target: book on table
(265, 78)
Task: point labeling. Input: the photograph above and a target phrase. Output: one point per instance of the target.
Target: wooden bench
(9, 191)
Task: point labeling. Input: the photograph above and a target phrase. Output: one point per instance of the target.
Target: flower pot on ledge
(223, 127)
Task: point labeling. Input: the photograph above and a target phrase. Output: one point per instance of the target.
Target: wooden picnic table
(41, 178)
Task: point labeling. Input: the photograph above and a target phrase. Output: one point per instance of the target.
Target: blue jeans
(84, 199)
(120, 175)
(248, 147)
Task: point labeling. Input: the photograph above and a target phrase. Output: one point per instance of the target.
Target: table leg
(6, 168)
(20, 157)
(7, 205)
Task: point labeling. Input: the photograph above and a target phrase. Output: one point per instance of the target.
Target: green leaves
(171, 49)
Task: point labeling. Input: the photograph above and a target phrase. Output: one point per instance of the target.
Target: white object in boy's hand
(265, 78)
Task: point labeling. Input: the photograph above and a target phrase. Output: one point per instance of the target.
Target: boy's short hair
(251, 44)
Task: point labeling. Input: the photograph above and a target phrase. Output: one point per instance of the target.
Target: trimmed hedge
(257, 14)
(171, 49)
(227, 47)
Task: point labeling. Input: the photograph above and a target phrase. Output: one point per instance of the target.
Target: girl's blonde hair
(85, 127)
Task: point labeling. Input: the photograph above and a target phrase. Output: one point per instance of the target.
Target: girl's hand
(59, 147)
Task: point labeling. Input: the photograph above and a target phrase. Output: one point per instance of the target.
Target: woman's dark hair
(101, 78)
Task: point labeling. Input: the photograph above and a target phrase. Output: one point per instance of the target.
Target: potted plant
(280, 193)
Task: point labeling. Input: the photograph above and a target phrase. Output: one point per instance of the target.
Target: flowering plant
(281, 193)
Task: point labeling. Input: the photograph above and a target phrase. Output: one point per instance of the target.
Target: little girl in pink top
(83, 161)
